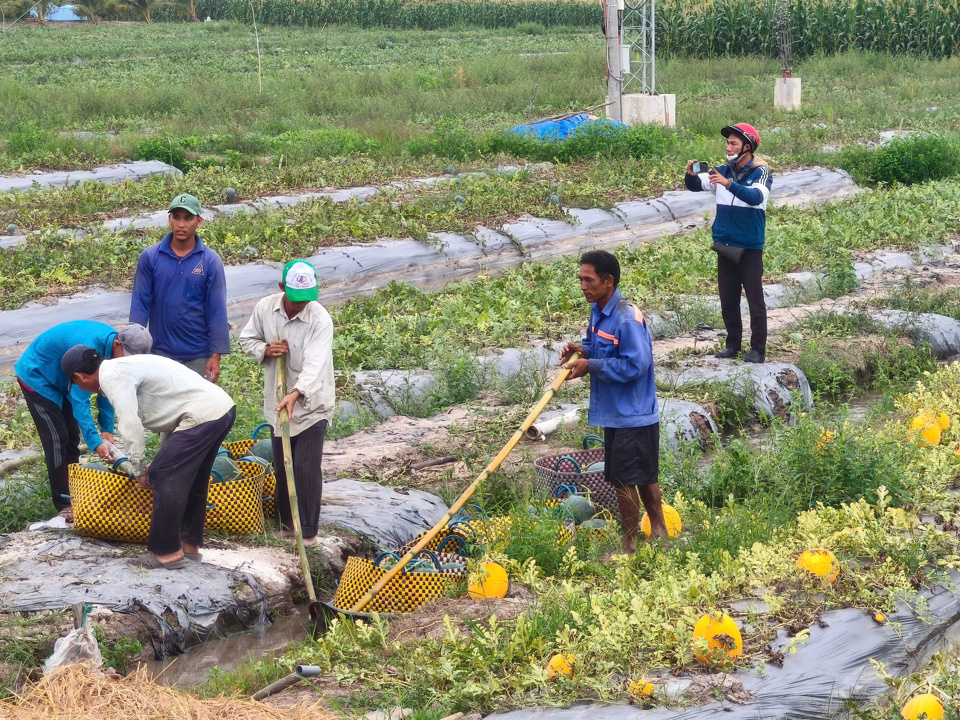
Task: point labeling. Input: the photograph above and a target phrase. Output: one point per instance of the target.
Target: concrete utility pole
(611, 14)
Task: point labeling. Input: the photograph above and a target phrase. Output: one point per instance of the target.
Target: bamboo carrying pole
(292, 488)
(462, 500)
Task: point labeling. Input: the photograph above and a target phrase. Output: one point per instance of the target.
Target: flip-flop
(149, 561)
(193, 557)
(67, 514)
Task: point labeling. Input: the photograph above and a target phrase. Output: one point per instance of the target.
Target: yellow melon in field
(561, 666)
(722, 636)
(489, 583)
(640, 688)
(930, 427)
(923, 706)
(670, 516)
(820, 562)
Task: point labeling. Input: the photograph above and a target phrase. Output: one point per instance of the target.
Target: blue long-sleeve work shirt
(39, 369)
(183, 300)
(622, 389)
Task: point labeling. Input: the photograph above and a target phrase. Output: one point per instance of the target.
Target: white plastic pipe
(540, 430)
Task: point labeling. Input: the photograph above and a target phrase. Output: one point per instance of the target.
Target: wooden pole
(291, 485)
(462, 500)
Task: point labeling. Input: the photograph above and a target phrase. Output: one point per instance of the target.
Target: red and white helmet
(747, 133)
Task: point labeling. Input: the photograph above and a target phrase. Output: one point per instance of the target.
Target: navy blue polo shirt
(182, 300)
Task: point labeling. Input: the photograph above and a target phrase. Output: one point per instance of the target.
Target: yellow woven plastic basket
(405, 593)
(110, 506)
(241, 448)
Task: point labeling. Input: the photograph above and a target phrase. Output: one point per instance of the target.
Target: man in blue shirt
(181, 291)
(62, 412)
(618, 355)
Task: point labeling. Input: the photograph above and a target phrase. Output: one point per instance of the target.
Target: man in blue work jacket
(618, 355)
(181, 292)
(62, 412)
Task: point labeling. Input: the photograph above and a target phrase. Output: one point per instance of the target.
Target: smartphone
(700, 167)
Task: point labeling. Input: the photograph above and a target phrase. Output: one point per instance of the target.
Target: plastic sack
(77, 646)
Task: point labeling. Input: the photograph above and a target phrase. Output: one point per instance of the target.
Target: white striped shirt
(158, 394)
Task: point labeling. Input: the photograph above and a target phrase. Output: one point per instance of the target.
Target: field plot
(419, 371)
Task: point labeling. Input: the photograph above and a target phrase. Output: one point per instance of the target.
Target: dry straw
(81, 692)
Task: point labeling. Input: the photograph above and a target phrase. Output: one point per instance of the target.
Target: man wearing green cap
(294, 324)
(181, 291)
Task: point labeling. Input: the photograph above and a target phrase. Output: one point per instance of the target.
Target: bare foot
(311, 541)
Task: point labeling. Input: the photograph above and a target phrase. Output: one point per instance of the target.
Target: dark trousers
(307, 449)
(748, 276)
(60, 439)
(179, 477)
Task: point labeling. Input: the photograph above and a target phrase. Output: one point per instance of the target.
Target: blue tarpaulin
(551, 129)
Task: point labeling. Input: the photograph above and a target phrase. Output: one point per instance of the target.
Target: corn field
(685, 28)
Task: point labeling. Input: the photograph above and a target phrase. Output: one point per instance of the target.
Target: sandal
(193, 557)
(149, 561)
(67, 514)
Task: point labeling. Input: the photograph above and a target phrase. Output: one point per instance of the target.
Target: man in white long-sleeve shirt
(194, 416)
(294, 324)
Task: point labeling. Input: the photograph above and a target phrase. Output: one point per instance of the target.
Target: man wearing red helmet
(743, 188)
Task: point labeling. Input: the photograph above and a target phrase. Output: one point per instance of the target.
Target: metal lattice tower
(638, 37)
(781, 29)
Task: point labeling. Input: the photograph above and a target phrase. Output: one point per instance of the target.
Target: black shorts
(631, 455)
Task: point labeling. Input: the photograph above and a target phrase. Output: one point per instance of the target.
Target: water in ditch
(227, 653)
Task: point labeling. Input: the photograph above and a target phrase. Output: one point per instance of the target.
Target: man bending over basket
(193, 417)
(618, 354)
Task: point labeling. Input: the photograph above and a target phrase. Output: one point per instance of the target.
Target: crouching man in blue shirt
(618, 355)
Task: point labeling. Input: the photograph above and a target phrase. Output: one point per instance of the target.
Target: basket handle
(464, 526)
(447, 539)
(465, 513)
(119, 462)
(218, 474)
(433, 556)
(569, 489)
(381, 556)
(556, 465)
(591, 438)
(256, 431)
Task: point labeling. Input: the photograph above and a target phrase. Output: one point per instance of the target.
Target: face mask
(733, 158)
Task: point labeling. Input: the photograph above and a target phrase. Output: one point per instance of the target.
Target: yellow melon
(820, 562)
(670, 516)
(640, 688)
(489, 583)
(923, 706)
(561, 665)
(722, 636)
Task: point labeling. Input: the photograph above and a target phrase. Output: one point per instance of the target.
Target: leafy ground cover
(906, 217)
(194, 90)
(825, 481)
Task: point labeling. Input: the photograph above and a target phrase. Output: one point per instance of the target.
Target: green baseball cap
(300, 281)
(187, 202)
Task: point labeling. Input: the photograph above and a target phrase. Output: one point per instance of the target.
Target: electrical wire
(25, 13)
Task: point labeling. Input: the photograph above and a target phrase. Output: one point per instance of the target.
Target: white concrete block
(641, 109)
(786, 93)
